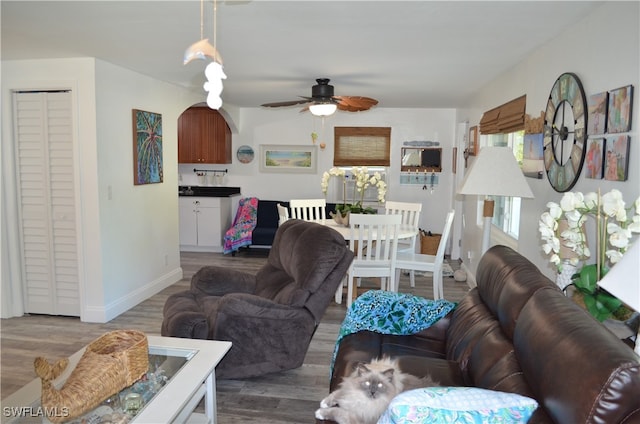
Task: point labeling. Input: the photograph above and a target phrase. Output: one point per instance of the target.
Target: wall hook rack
(214, 171)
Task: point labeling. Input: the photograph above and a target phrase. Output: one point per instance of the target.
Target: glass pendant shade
(323, 109)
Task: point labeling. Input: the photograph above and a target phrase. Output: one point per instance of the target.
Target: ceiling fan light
(323, 109)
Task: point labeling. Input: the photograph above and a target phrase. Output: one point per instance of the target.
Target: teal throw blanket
(391, 313)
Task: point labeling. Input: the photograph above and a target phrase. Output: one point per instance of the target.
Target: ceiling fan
(323, 102)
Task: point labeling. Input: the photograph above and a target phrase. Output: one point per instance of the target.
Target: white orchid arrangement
(615, 227)
(363, 180)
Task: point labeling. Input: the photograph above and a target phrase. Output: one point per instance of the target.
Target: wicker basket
(429, 243)
(110, 363)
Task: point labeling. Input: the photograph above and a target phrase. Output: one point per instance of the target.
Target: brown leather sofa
(516, 332)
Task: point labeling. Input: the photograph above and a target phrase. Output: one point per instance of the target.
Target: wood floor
(286, 397)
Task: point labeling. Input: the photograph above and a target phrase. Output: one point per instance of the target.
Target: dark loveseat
(516, 332)
(267, 223)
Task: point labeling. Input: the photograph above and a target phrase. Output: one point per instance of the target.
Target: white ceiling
(403, 53)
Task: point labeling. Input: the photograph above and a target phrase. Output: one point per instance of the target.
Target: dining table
(405, 232)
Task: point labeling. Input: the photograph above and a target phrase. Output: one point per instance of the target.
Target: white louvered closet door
(44, 148)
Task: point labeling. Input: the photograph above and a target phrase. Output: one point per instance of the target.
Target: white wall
(138, 224)
(603, 51)
(288, 126)
(128, 234)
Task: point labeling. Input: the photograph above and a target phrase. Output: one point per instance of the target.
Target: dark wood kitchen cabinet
(203, 137)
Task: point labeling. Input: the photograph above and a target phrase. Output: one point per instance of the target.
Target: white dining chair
(283, 214)
(410, 213)
(308, 209)
(368, 230)
(427, 263)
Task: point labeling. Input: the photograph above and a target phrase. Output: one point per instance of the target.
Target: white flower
(571, 201)
(618, 236)
(574, 218)
(614, 256)
(613, 205)
(591, 200)
(554, 210)
(634, 226)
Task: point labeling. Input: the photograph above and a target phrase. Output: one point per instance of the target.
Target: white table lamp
(623, 281)
(495, 172)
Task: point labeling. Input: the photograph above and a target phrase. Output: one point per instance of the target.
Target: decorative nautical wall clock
(565, 132)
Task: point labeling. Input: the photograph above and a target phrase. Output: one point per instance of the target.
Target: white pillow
(458, 405)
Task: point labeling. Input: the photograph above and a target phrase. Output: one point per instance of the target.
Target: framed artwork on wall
(595, 152)
(616, 161)
(533, 156)
(147, 147)
(619, 113)
(288, 159)
(597, 121)
(245, 154)
(473, 140)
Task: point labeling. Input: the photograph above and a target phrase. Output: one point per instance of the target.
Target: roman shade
(504, 119)
(362, 146)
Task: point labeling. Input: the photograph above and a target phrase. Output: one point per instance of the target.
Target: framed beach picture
(288, 159)
(473, 141)
(597, 120)
(616, 158)
(147, 147)
(593, 159)
(619, 113)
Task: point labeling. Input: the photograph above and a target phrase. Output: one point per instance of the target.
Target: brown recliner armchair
(270, 317)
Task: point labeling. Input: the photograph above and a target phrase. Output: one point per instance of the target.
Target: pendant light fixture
(202, 50)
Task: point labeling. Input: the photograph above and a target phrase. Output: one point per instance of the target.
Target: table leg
(210, 409)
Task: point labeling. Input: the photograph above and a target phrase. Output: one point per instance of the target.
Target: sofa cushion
(506, 280)
(470, 321)
(294, 270)
(267, 223)
(572, 360)
(463, 405)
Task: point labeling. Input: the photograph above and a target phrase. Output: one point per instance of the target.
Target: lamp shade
(495, 172)
(623, 279)
(323, 109)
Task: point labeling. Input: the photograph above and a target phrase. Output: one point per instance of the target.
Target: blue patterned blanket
(391, 313)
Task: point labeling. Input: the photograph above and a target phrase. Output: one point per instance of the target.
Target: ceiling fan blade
(288, 103)
(355, 103)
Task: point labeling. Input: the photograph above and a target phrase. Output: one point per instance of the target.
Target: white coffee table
(174, 403)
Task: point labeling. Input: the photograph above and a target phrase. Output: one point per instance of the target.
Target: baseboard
(471, 279)
(123, 304)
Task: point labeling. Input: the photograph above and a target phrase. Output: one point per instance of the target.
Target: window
(504, 126)
(338, 193)
(506, 215)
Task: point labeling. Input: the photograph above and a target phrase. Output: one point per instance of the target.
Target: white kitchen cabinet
(203, 223)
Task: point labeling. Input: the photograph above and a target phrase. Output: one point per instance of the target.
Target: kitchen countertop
(207, 191)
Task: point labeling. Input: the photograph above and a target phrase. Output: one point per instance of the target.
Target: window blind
(362, 146)
(504, 119)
